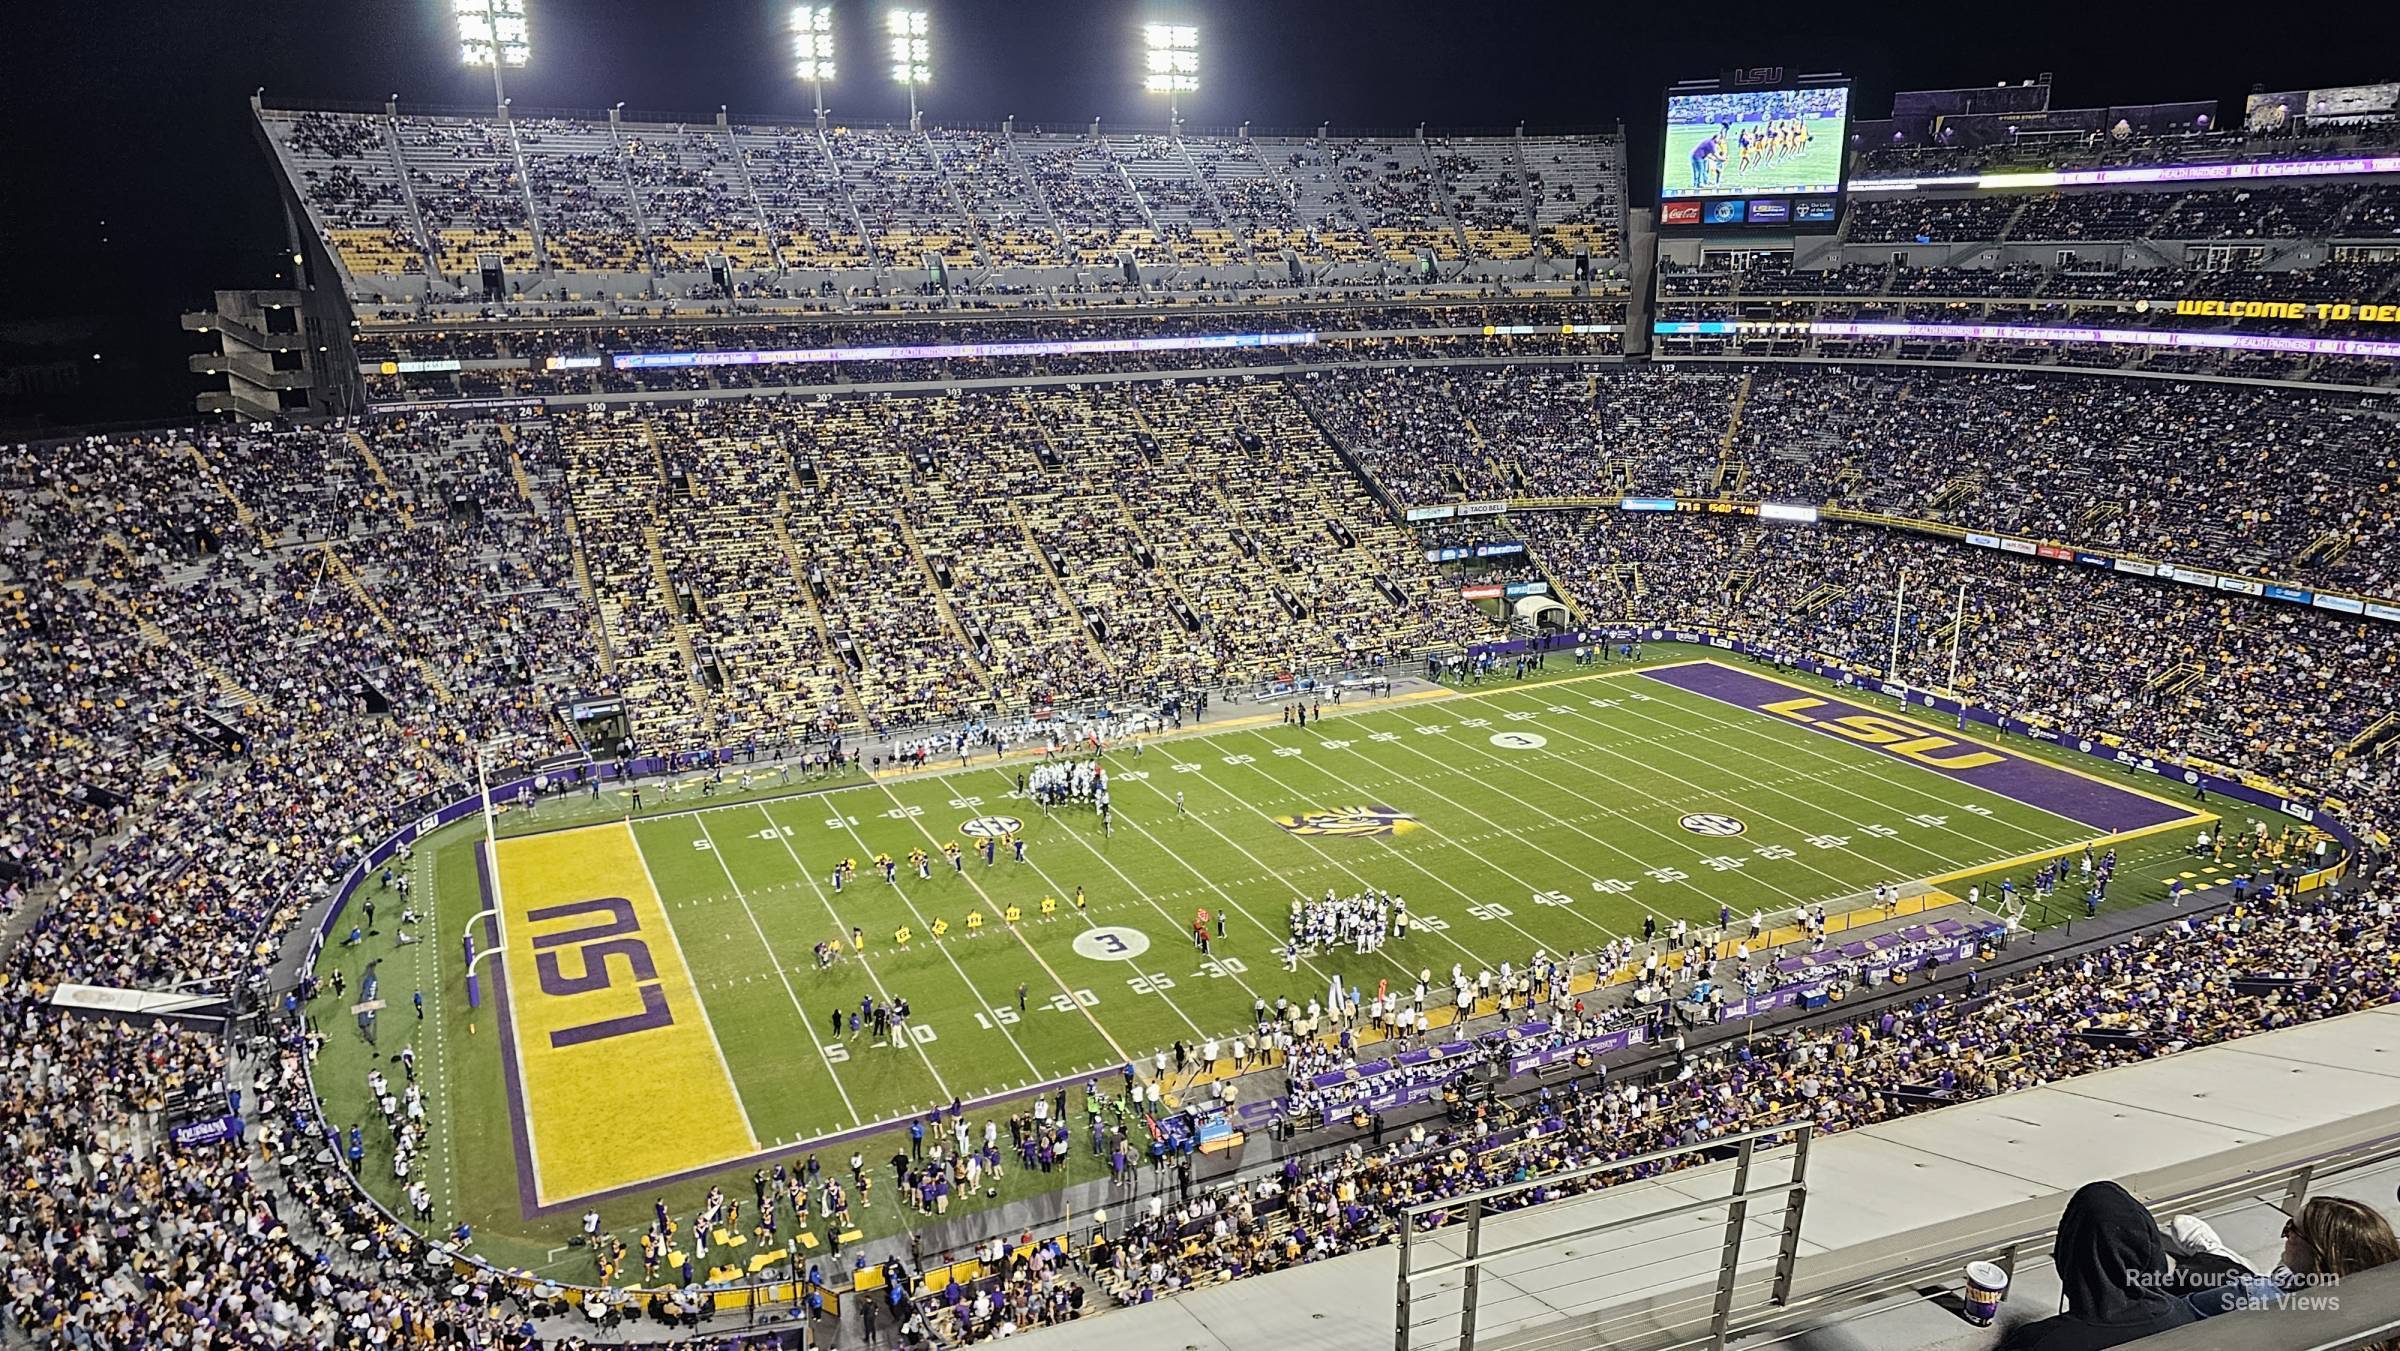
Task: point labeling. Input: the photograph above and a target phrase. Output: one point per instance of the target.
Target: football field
(665, 1020)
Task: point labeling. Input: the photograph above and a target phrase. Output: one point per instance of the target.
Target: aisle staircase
(941, 602)
(816, 621)
(664, 579)
(341, 570)
(366, 452)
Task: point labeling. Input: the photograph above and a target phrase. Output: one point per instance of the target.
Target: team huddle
(1769, 142)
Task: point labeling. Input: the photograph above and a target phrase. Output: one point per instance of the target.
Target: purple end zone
(2092, 802)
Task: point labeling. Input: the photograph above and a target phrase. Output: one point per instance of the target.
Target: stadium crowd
(239, 655)
(2195, 983)
(2294, 486)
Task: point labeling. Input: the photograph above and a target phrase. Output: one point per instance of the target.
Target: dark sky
(135, 186)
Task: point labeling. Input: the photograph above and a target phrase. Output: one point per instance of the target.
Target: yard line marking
(1090, 923)
(1578, 869)
(1323, 861)
(980, 1001)
(1886, 770)
(436, 1067)
(1396, 852)
(1222, 895)
(1686, 845)
(769, 948)
(774, 828)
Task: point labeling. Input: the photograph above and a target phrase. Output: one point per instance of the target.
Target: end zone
(2116, 811)
(618, 1075)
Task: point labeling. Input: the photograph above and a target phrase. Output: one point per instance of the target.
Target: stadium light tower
(911, 54)
(492, 33)
(1171, 53)
(812, 50)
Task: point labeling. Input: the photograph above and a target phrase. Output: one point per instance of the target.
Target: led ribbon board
(2116, 337)
(2154, 173)
(948, 351)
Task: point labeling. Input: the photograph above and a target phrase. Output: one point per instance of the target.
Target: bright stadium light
(1171, 54)
(912, 61)
(492, 33)
(812, 50)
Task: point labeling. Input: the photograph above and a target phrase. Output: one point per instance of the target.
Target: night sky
(135, 186)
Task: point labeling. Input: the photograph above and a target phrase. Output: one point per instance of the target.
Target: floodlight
(492, 32)
(912, 61)
(812, 43)
(1171, 56)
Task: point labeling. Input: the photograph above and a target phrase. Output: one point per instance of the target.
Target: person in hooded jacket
(2113, 1269)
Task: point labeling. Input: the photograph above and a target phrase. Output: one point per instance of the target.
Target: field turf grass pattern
(1547, 813)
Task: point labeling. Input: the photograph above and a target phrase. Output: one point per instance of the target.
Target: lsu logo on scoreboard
(1351, 821)
(1891, 734)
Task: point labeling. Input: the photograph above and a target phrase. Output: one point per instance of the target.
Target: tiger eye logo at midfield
(1351, 821)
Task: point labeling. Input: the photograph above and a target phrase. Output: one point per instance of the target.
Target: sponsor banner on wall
(2291, 593)
(2376, 610)
(1647, 504)
(1480, 592)
(2096, 560)
(2137, 567)
(2016, 546)
(1503, 549)
(2241, 584)
(1981, 541)
(1431, 513)
(2344, 604)
(2053, 551)
(1481, 508)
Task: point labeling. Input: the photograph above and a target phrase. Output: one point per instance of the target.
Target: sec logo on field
(991, 825)
(1710, 823)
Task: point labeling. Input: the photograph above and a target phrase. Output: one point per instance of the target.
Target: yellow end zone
(619, 1076)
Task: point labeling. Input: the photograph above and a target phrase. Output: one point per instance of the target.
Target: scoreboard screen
(1739, 159)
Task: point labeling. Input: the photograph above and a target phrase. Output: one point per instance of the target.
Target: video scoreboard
(1765, 155)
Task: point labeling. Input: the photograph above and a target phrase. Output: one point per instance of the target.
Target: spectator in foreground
(2330, 1238)
(2112, 1267)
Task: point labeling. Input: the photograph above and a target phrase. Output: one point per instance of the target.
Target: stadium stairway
(366, 453)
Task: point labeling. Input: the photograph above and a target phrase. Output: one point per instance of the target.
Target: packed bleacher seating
(2173, 671)
(788, 207)
(2273, 482)
(2162, 992)
(234, 655)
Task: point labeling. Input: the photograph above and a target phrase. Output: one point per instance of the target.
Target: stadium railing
(1427, 1284)
(1799, 1293)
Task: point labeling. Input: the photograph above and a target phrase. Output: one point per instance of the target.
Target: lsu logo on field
(1353, 821)
(1898, 738)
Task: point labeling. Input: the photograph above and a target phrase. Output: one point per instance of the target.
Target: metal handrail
(2007, 1249)
(1736, 1204)
(1487, 1255)
(1612, 1166)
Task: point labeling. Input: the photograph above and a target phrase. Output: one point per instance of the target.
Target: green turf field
(1817, 167)
(1552, 813)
